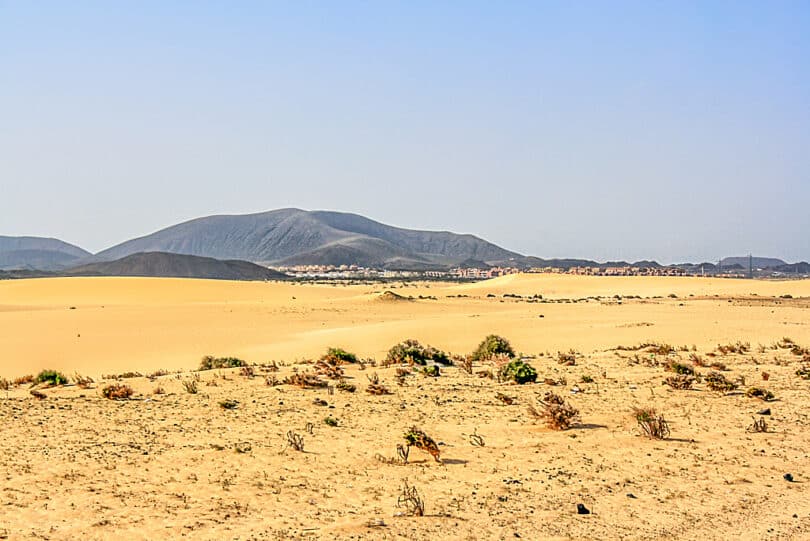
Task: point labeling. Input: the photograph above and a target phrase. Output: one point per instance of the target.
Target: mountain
(758, 262)
(299, 237)
(160, 264)
(37, 253)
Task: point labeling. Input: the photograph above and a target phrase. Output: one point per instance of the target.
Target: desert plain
(173, 463)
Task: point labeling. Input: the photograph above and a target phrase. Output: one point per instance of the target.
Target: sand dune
(177, 464)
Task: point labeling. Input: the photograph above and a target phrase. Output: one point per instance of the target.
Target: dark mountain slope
(159, 264)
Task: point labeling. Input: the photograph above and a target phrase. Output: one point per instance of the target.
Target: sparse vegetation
(210, 363)
(117, 391)
(51, 378)
(412, 352)
(410, 500)
(759, 392)
(190, 385)
(346, 387)
(567, 358)
(305, 380)
(652, 423)
(330, 421)
(295, 440)
(679, 368)
(716, 381)
(803, 372)
(229, 404)
(758, 426)
(736, 347)
(492, 345)
(518, 371)
(418, 438)
(680, 381)
(338, 356)
(555, 412)
(375, 387)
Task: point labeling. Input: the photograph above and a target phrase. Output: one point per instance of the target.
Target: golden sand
(160, 466)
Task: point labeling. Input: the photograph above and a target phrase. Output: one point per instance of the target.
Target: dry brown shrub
(23, 380)
(417, 437)
(117, 391)
(508, 400)
(555, 412)
(410, 499)
(680, 381)
(652, 423)
(759, 425)
(305, 381)
(716, 381)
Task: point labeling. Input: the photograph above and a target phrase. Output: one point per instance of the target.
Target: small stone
(788, 477)
(631, 495)
(582, 510)
(766, 411)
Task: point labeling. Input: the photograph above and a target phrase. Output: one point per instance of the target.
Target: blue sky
(608, 130)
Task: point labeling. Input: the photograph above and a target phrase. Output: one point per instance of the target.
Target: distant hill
(758, 262)
(37, 253)
(159, 264)
(298, 237)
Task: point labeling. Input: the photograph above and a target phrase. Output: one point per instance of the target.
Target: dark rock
(582, 510)
(766, 411)
(788, 477)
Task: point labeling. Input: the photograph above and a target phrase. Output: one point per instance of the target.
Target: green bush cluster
(519, 372)
(413, 351)
(210, 363)
(492, 345)
(338, 356)
(51, 377)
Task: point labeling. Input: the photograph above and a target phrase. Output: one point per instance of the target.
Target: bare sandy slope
(166, 465)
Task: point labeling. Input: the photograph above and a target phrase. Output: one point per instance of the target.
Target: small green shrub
(518, 371)
(492, 345)
(210, 363)
(680, 368)
(718, 382)
(337, 356)
(51, 377)
(431, 370)
(412, 352)
(330, 421)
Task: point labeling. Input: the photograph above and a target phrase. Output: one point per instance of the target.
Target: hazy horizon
(609, 132)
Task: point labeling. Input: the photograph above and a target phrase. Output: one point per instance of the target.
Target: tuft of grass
(652, 423)
(23, 380)
(210, 363)
(117, 391)
(375, 387)
(346, 387)
(491, 346)
(51, 377)
(190, 385)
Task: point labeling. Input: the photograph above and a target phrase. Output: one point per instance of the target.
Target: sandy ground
(166, 465)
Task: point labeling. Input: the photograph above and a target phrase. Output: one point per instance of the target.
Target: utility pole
(750, 266)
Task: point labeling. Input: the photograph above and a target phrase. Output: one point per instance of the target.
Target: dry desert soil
(168, 463)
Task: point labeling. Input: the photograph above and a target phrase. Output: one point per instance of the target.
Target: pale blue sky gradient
(607, 130)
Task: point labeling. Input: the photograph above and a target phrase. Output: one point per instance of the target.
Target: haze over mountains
(287, 237)
(37, 253)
